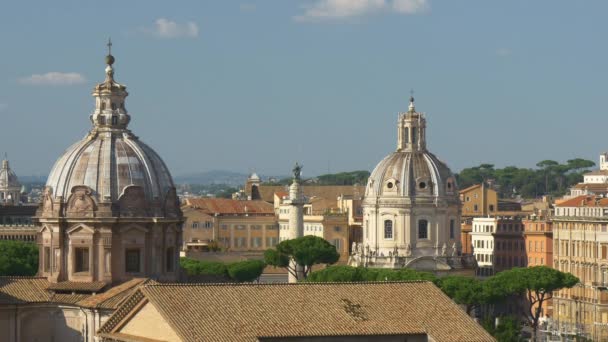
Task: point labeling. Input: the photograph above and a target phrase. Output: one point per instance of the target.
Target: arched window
(423, 229)
(388, 229)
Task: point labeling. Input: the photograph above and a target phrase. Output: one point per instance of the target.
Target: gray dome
(406, 174)
(110, 158)
(107, 163)
(8, 179)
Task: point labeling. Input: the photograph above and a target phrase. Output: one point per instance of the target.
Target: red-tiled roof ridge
(113, 296)
(584, 201)
(225, 206)
(470, 188)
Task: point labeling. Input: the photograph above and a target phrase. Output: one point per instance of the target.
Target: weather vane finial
(109, 45)
(411, 95)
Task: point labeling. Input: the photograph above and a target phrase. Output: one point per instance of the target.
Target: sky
(258, 85)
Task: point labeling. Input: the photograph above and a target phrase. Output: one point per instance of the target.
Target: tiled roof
(224, 206)
(597, 173)
(470, 188)
(325, 191)
(18, 290)
(114, 296)
(77, 286)
(244, 312)
(584, 201)
(23, 290)
(592, 186)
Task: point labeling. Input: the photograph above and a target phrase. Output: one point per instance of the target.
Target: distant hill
(213, 177)
(231, 178)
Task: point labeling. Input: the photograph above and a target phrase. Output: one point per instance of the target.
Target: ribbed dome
(107, 163)
(110, 158)
(411, 173)
(8, 179)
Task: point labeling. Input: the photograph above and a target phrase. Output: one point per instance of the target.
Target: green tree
(306, 251)
(466, 291)
(200, 267)
(536, 284)
(18, 258)
(246, 271)
(339, 273)
(508, 329)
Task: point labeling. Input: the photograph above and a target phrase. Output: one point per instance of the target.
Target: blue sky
(257, 85)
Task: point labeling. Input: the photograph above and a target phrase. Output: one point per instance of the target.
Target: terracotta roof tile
(18, 290)
(113, 297)
(77, 286)
(330, 192)
(224, 206)
(244, 312)
(584, 201)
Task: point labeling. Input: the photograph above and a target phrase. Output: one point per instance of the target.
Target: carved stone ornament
(80, 203)
(133, 202)
(47, 201)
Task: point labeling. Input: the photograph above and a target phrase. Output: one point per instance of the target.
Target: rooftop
(232, 312)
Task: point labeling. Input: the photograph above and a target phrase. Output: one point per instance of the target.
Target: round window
(422, 185)
(389, 185)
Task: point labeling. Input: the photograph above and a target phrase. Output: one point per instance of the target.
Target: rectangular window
(271, 242)
(452, 223)
(132, 260)
(338, 244)
(47, 259)
(81, 259)
(423, 226)
(604, 252)
(194, 225)
(256, 227)
(256, 242)
(337, 229)
(240, 227)
(170, 259)
(224, 227)
(388, 229)
(271, 227)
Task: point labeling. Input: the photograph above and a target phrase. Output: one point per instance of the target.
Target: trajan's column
(296, 216)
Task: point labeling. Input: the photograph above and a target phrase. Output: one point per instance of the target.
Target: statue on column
(297, 172)
(444, 249)
(353, 249)
(395, 251)
(454, 249)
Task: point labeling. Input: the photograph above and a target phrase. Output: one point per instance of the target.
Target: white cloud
(54, 79)
(410, 6)
(165, 28)
(247, 7)
(340, 9)
(503, 52)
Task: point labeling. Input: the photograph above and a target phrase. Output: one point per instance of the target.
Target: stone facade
(10, 188)
(411, 208)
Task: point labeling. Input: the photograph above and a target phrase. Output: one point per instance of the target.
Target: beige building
(17, 223)
(109, 217)
(580, 247)
(231, 225)
(323, 218)
(330, 312)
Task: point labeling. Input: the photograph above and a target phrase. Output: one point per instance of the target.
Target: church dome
(410, 174)
(8, 179)
(411, 170)
(110, 158)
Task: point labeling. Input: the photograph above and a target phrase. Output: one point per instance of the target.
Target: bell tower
(411, 130)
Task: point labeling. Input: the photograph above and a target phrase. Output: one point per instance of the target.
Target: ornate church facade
(109, 222)
(411, 208)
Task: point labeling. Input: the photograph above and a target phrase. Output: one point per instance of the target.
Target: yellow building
(580, 247)
(231, 225)
(322, 218)
(478, 201)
